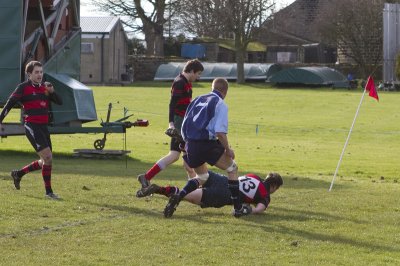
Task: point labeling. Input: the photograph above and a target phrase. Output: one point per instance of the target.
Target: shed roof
(252, 71)
(98, 24)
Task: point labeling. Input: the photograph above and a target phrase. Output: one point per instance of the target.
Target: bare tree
(151, 13)
(242, 17)
(225, 18)
(201, 18)
(355, 27)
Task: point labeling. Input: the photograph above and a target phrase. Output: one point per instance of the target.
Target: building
(104, 50)
(223, 50)
(292, 35)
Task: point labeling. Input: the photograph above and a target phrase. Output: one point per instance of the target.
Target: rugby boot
(143, 181)
(153, 188)
(171, 206)
(16, 178)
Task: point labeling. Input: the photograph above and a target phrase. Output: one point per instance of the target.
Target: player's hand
(172, 132)
(245, 210)
(49, 87)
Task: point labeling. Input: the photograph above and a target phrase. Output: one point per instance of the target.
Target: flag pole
(347, 140)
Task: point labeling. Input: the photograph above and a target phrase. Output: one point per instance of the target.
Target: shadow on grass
(65, 163)
(317, 236)
(201, 217)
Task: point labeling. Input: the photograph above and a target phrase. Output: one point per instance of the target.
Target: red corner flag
(370, 86)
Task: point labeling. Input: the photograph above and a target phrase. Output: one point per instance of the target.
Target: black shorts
(38, 135)
(203, 151)
(216, 193)
(176, 144)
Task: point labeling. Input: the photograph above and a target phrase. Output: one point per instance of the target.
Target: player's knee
(203, 177)
(174, 156)
(47, 159)
(232, 168)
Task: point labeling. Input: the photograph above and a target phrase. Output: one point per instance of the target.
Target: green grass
(301, 133)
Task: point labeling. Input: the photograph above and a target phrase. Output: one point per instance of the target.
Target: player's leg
(197, 154)
(156, 189)
(194, 183)
(35, 165)
(189, 170)
(195, 196)
(215, 192)
(170, 158)
(226, 163)
(191, 185)
(46, 156)
(194, 160)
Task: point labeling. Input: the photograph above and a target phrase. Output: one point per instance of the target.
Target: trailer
(49, 31)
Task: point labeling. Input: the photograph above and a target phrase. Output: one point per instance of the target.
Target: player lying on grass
(216, 194)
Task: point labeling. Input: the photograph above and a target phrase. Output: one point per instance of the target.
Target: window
(87, 48)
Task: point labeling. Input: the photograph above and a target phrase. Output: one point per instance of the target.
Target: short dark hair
(194, 65)
(220, 84)
(274, 179)
(31, 65)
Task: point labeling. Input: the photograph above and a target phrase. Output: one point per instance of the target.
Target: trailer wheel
(99, 144)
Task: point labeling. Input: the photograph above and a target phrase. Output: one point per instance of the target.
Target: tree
(151, 13)
(201, 18)
(226, 18)
(242, 17)
(356, 29)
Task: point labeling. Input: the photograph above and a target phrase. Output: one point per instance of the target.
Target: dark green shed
(315, 76)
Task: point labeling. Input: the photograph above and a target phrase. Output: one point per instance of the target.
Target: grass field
(298, 132)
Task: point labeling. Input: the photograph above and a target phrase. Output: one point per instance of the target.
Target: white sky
(87, 9)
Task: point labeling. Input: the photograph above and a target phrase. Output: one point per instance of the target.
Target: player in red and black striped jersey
(216, 194)
(181, 96)
(35, 96)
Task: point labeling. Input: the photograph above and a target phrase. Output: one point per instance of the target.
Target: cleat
(245, 210)
(171, 206)
(143, 181)
(16, 178)
(153, 188)
(52, 196)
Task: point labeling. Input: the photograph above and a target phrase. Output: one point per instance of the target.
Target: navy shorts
(38, 135)
(177, 144)
(203, 151)
(216, 193)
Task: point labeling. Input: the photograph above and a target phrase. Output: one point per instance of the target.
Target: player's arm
(53, 96)
(12, 100)
(176, 93)
(172, 104)
(221, 128)
(223, 139)
(259, 208)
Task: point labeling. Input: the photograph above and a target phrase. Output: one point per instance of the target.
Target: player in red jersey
(35, 96)
(216, 194)
(181, 96)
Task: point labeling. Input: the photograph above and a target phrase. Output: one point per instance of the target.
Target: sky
(87, 9)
